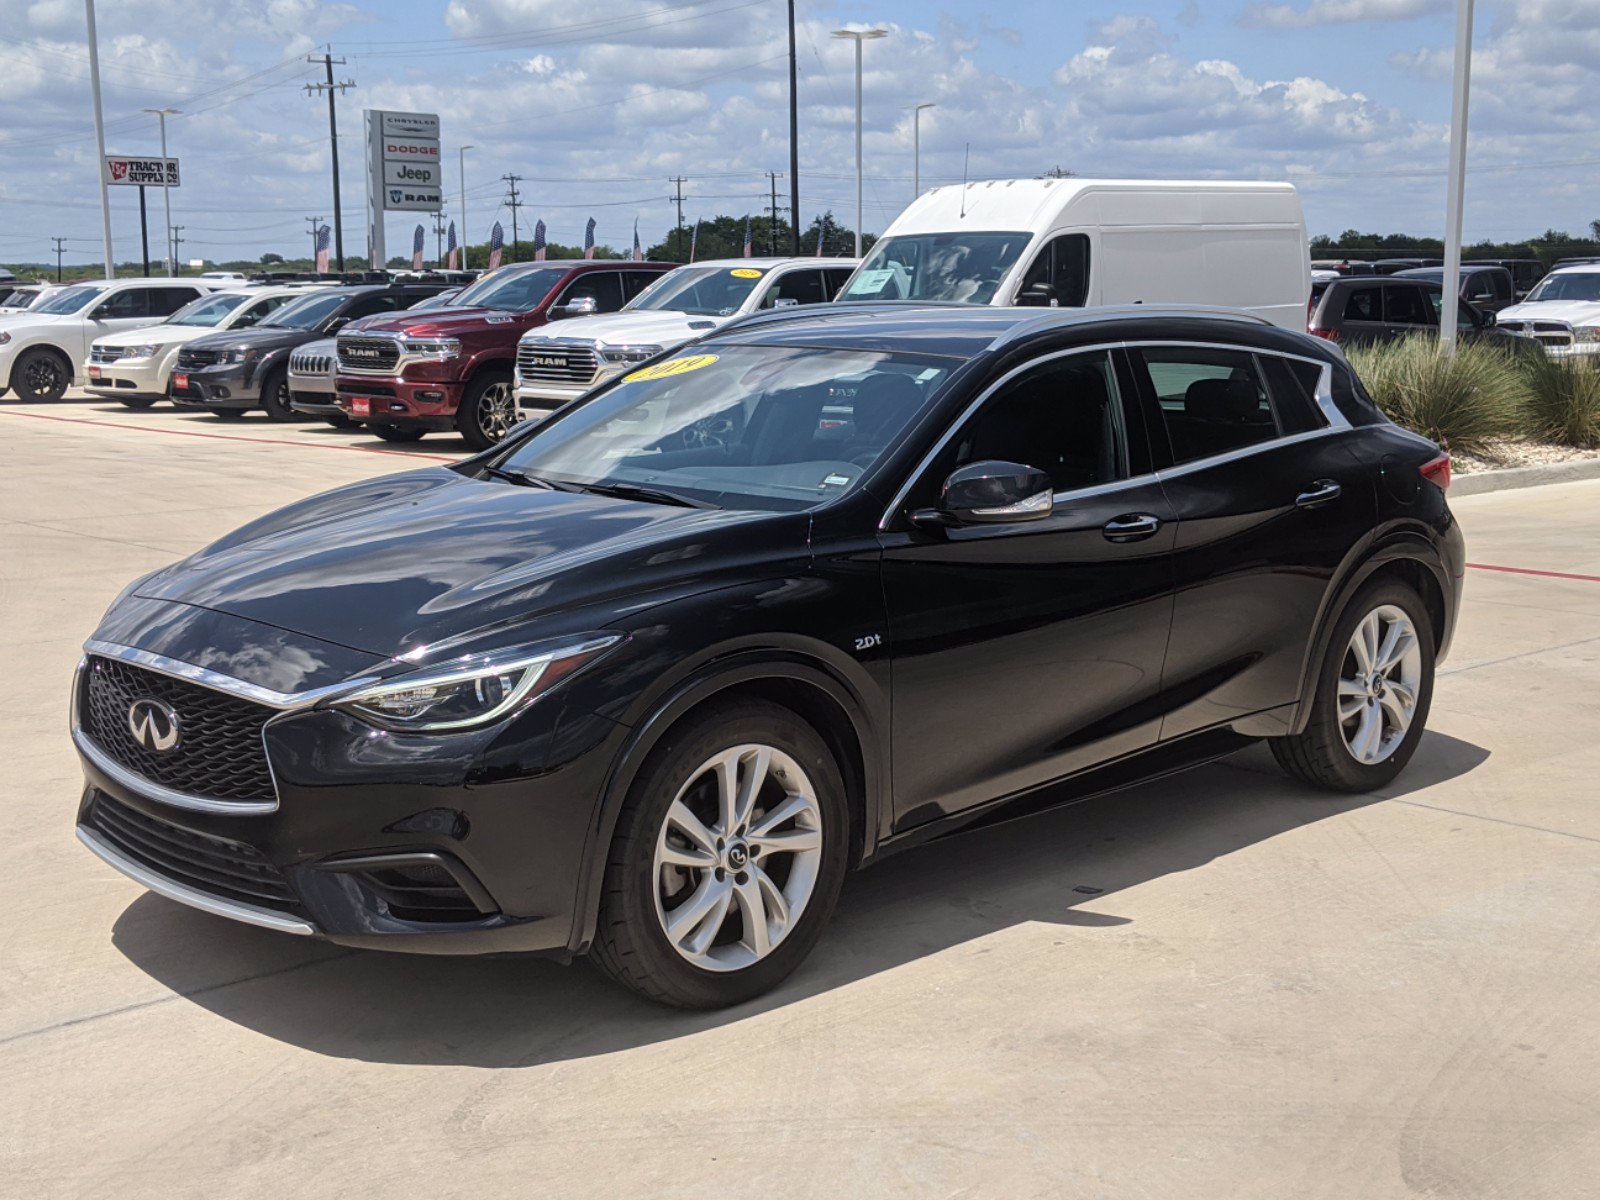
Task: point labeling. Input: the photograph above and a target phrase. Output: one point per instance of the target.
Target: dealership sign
(141, 172)
(404, 173)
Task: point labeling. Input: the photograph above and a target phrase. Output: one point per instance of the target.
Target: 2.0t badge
(154, 725)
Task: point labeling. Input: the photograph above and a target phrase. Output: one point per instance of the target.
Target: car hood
(1575, 312)
(155, 335)
(444, 322)
(26, 322)
(257, 337)
(651, 328)
(408, 564)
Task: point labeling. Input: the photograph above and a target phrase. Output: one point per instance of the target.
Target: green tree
(269, 260)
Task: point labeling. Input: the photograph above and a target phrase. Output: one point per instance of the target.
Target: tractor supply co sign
(141, 172)
(403, 170)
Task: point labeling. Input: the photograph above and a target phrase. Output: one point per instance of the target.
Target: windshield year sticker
(673, 366)
(745, 273)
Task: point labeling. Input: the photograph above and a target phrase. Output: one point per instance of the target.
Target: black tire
(630, 945)
(1320, 755)
(40, 375)
(275, 396)
(340, 422)
(137, 402)
(3, 392)
(399, 433)
(487, 390)
(228, 414)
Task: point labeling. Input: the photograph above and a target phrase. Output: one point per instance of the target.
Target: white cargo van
(1077, 242)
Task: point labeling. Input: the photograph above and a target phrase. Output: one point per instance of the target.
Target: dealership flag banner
(694, 237)
(748, 244)
(324, 234)
(638, 254)
(588, 239)
(821, 230)
(497, 243)
(417, 239)
(538, 242)
(450, 243)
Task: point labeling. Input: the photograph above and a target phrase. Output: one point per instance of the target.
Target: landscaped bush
(1563, 402)
(1477, 396)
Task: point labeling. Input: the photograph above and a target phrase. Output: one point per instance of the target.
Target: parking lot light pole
(1455, 201)
(100, 139)
(858, 36)
(466, 231)
(166, 190)
(916, 148)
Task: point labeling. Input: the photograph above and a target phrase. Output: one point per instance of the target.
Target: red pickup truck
(450, 368)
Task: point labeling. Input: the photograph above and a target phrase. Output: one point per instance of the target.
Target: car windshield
(208, 311)
(69, 301)
(965, 267)
(307, 312)
(748, 427)
(700, 291)
(512, 291)
(1579, 285)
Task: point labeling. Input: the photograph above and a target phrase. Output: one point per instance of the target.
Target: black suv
(1487, 288)
(1362, 312)
(649, 678)
(231, 373)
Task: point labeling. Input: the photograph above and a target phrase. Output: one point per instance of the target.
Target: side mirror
(99, 312)
(991, 493)
(1039, 295)
(578, 306)
(1488, 319)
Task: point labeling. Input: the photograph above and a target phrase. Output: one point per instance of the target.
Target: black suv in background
(649, 678)
(1487, 288)
(1364, 311)
(231, 373)
(1525, 272)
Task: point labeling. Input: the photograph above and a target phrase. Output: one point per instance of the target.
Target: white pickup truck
(1562, 313)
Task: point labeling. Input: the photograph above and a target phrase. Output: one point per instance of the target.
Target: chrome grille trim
(580, 362)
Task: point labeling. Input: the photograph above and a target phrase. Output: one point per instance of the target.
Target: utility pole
(316, 224)
(176, 241)
(515, 204)
(794, 142)
(58, 241)
(161, 114)
(144, 233)
(677, 181)
(332, 89)
(772, 214)
(100, 139)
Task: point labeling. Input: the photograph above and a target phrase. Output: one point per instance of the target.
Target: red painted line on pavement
(1531, 571)
(231, 437)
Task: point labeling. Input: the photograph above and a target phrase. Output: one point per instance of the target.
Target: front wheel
(727, 861)
(41, 375)
(1373, 695)
(275, 396)
(488, 409)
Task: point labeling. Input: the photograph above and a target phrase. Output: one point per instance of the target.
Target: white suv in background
(135, 366)
(555, 367)
(43, 349)
(1562, 313)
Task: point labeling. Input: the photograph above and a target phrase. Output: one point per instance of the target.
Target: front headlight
(149, 351)
(479, 691)
(4, 337)
(1586, 333)
(249, 354)
(438, 349)
(628, 354)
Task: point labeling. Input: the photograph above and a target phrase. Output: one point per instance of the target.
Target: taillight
(1331, 335)
(1437, 471)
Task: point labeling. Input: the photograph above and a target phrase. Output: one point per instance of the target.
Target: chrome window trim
(1323, 396)
(193, 897)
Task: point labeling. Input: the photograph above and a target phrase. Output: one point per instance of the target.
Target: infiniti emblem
(154, 725)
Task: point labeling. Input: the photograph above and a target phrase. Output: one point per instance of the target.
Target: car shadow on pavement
(1064, 867)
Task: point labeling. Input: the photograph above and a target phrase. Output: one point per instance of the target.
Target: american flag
(497, 243)
(538, 242)
(417, 239)
(748, 243)
(323, 236)
(450, 244)
(638, 254)
(588, 239)
(822, 228)
(694, 237)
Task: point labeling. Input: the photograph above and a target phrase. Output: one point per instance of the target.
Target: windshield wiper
(634, 491)
(520, 479)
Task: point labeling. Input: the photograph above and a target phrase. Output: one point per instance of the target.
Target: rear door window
(1364, 304)
(1405, 304)
(1293, 385)
(367, 306)
(168, 300)
(1212, 401)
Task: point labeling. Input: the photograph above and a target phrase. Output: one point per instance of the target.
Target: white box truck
(1078, 242)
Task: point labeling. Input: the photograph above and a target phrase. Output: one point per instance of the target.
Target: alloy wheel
(1379, 681)
(737, 857)
(42, 376)
(497, 411)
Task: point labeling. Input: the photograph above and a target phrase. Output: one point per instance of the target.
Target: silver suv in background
(555, 367)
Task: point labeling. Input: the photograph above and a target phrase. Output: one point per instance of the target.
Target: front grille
(311, 364)
(547, 362)
(302, 396)
(106, 354)
(227, 869)
(219, 753)
(1551, 333)
(190, 359)
(367, 354)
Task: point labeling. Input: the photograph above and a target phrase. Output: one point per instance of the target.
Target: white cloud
(1338, 12)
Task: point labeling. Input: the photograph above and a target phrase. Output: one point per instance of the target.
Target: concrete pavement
(1218, 985)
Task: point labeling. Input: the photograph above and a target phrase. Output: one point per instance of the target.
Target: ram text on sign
(141, 172)
(398, 199)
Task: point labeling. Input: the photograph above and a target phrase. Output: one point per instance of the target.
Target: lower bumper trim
(193, 897)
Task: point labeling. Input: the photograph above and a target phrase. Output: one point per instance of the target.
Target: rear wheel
(275, 396)
(136, 401)
(727, 861)
(1372, 697)
(41, 375)
(399, 433)
(488, 409)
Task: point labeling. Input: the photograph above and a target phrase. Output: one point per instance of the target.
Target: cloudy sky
(598, 105)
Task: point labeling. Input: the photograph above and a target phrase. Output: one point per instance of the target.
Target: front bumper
(417, 403)
(225, 385)
(313, 401)
(127, 377)
(465, 844)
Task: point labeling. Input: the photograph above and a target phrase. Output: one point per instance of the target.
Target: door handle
(1323, 491)
(1131, 527)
